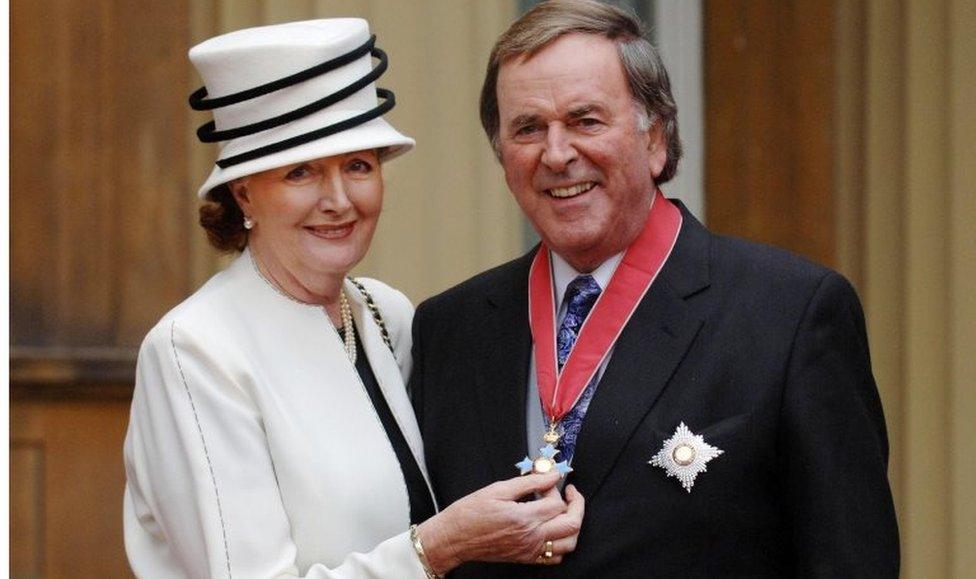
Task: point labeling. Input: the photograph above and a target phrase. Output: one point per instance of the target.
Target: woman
(270, 433)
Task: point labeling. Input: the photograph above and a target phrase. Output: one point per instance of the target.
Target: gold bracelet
(418, 548)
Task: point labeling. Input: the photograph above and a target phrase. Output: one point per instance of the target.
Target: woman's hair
(222, 218)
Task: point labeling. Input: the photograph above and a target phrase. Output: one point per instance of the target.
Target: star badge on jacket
(684, 456)
(546, 462)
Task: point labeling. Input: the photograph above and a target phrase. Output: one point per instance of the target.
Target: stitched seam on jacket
(203, 441)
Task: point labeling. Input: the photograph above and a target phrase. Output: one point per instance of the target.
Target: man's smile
(572, 190)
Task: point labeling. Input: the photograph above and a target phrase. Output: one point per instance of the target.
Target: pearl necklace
(345, 312)
(348, 330)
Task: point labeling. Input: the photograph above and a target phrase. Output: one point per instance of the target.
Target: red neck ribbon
(640, 265)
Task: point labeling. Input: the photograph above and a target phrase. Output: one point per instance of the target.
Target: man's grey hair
(646, 76)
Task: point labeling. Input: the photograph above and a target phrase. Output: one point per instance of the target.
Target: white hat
(289, 93)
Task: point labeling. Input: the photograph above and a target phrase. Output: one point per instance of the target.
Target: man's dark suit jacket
(759, 351)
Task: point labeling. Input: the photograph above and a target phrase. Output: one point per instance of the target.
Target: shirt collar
(563, 274)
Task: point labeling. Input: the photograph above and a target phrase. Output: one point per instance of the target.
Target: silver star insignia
(545, 463)
(684, 456)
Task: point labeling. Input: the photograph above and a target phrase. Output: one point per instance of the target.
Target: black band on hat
(208, 133)
(199, 102)
(388, 103)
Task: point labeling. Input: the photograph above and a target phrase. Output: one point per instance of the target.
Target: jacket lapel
(388, 376)
(502, 379)
(645, 356)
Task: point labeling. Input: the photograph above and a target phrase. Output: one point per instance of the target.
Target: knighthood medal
(559, 390)
(546, 461)
(685, 456)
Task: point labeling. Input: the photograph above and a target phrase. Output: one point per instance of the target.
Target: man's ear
(657, 149)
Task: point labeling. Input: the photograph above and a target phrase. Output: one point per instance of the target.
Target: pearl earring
(248, 223)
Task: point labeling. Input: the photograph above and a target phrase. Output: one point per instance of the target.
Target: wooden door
(102, 242)
(769, 109)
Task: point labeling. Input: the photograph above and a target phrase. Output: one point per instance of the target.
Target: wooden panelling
(33, 211)
(26, 508)
(849, 151)
(900, 129)
(961, 150)
(103, 241)
(66, 485)
(99, 187)
(153, 235)
(768, 79)
(51, 373)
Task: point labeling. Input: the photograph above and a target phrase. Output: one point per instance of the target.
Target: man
(717, 409)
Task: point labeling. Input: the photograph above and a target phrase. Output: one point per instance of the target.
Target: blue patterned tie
(581, 294)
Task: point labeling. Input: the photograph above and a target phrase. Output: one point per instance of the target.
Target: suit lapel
(649, 349)
(504, 371)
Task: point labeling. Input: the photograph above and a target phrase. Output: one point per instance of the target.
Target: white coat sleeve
(201, 495)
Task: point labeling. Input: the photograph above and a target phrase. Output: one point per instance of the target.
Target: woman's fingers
(551, 496)
(559, 534)
(567, 524)
(565, 545)
(556, 549)
(552, 492)
(561, 526)
(544, 508)
(503, 529)
(558, 517)
(575, 501)
(518, 487)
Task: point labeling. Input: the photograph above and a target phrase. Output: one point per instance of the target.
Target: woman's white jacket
(253, 449)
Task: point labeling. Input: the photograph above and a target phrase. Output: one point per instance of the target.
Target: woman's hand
(491, 525)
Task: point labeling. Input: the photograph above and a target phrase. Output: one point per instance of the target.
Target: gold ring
(546, 557)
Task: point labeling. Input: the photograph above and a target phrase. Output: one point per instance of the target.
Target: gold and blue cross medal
(559, 390)
(546, 461)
